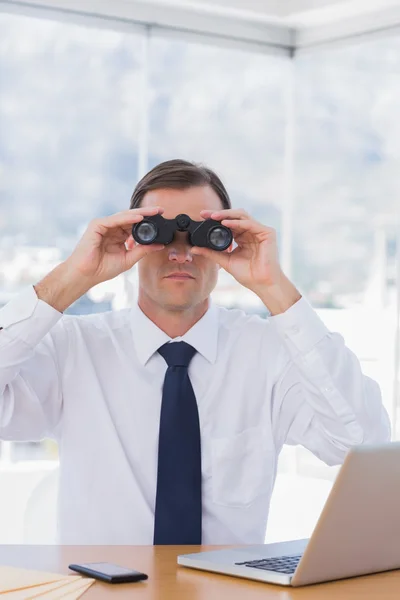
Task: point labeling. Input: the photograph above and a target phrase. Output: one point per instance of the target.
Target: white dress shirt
(94, 383)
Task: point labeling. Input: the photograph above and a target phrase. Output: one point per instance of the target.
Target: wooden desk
(167, 581)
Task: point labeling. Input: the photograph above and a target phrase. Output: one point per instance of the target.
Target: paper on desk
(12, 578)
(77, 593)
(71, 587)
(37, 590)
(72, 591)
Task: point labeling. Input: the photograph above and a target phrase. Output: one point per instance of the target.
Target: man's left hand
(254, 263)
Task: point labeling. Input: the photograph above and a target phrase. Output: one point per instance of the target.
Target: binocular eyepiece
(207, 234)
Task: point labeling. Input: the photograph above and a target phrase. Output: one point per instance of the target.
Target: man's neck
(174, 323)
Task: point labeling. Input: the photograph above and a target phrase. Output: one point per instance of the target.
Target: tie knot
(177, 354)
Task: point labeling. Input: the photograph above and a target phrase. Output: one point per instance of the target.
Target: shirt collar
(148, 338)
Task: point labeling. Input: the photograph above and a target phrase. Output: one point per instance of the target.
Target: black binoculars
(157, 230)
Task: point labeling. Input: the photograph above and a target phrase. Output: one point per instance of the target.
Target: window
(345, 235)
(347, 203)
(70, 102)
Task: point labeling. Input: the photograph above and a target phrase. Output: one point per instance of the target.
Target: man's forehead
(189, 201)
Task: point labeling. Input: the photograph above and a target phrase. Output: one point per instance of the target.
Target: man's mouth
(180, 275)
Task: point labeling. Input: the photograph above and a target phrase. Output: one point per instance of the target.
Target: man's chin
(179, 303)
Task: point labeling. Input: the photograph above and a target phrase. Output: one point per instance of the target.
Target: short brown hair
(179, 174)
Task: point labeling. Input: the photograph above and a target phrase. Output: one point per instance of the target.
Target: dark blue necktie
(178, 499)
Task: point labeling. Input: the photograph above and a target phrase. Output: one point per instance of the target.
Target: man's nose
(180, 250)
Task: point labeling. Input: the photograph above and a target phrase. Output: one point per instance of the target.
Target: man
(170, 416)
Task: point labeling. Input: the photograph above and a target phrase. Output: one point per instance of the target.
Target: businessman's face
(198, 274)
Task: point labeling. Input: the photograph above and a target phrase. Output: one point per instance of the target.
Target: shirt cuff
(300, 327)
(27, 318)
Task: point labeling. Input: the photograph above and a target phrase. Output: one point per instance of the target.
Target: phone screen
(108, 568)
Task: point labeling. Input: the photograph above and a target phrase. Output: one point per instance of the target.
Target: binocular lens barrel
(220, 238)
(146, 232)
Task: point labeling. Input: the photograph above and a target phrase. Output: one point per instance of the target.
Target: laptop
(357, 533)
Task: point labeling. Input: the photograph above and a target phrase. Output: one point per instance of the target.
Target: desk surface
(168, 581)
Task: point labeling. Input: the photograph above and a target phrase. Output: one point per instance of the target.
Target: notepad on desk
(26, 584)
(66, 591)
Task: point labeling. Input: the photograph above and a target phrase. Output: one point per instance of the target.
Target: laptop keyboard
(280, 564)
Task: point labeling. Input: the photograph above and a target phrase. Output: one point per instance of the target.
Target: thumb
(133, 255)
(221, 258)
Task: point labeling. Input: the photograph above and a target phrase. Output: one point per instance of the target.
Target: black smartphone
(108, 572)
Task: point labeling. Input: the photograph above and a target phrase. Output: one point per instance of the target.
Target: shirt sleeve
(322, 400)
(30, 386)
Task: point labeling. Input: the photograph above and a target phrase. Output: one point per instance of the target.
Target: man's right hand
(107, 248)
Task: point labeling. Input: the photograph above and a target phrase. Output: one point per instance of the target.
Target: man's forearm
(281, 297)
(61, 287)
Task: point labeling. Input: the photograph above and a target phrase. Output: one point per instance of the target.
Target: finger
(142, 210)
(221, 258)
(133, 255)
(229, 213)
(129, 243)
(240, 226)
(121, 229)
(128, 216)
(127, 228)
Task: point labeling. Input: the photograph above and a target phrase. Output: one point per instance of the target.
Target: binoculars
(157, 230)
